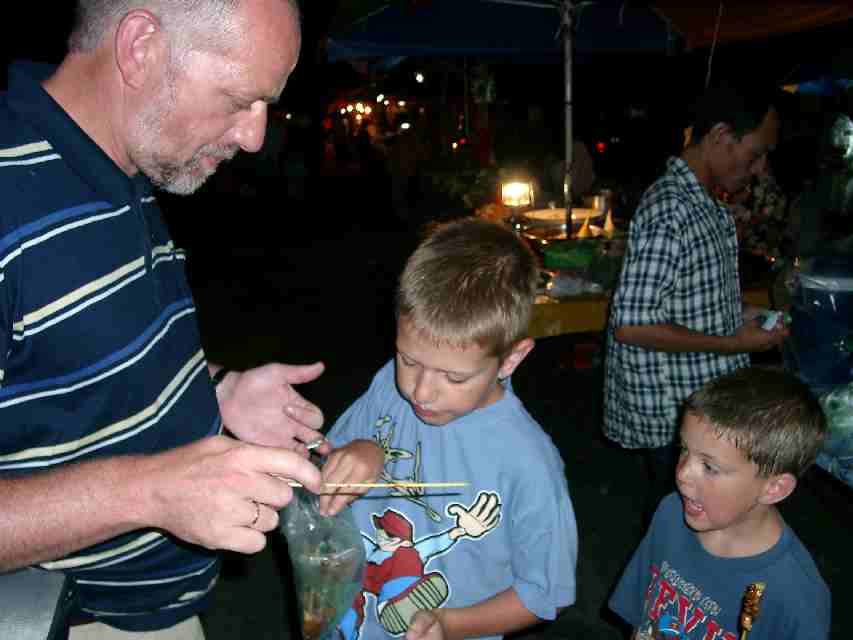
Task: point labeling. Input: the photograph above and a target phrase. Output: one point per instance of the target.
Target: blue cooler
(820, 348)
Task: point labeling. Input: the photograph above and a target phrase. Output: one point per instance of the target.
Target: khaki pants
(187, 630)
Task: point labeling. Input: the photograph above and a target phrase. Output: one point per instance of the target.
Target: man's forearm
(47, 515)
(499, 615)
(674, 338)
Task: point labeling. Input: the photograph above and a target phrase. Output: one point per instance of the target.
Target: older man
(114, 462)
(677, 318)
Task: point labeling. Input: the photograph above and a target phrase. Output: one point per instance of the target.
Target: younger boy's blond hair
(470, 281)
(769, 415)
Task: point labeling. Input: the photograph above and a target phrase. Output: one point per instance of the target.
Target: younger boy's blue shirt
(674, 587)
(99, 348)
(514, 474)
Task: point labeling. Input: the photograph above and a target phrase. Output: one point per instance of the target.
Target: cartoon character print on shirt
(396, 575)
(384, 429)
(676, 608)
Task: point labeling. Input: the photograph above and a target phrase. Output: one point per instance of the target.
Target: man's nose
(760, 166)
(250, 130)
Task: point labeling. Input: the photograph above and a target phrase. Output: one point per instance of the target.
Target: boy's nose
(682, 473)
(424, 391)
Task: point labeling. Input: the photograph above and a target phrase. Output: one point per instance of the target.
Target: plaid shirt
(680, 268)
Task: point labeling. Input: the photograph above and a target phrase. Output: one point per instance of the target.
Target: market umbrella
(705, 22)
(527, 30)
(792, 40)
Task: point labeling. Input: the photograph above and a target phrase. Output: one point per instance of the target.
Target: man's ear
(139, 47)
(777, 488)
(518, 353)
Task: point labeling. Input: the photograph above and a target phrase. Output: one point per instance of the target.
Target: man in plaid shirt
(677, 318)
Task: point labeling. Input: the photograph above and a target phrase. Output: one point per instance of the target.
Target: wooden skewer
(372, 485)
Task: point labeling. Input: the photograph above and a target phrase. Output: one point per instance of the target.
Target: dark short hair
(471, 281)
(769, 415)
(742, 107)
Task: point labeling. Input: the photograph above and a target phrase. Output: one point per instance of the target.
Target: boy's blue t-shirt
(513, 526)
(674, 588)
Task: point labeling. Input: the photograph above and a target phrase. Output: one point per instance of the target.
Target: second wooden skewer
(373, 485)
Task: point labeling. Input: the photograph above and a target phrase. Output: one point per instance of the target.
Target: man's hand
(261, 407)
(219, 493)
(425, 625)
(751, 337)
(752, 312)
(359, 461)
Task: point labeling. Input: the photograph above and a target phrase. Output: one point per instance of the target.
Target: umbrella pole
(465, 84)
(567, 11)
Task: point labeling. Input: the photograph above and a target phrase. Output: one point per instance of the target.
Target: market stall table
(588, 313)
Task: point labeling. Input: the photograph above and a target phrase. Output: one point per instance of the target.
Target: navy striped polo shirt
(100, 353)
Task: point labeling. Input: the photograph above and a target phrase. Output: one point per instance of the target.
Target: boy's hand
(425, 625)
(359, 461)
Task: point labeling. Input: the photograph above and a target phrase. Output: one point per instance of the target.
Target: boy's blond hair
(470, 281)
(769, 415)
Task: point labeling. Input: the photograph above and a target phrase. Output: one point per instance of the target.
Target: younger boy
(745, 439)
(498, 554)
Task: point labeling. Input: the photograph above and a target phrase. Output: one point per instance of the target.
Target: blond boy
(499, 554)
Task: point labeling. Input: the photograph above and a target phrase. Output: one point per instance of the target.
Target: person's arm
(675, 338)
(499, 615)
(204, 493)
(261, 406)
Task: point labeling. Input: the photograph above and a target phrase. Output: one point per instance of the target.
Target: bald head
(189, 23)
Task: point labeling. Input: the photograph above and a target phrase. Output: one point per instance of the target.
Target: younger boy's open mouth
(691, 507)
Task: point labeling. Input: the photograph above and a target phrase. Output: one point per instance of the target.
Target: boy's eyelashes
(451, 378)
(707, 466)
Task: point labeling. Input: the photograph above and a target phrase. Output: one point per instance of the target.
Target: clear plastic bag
(836, 455)
(820, 348)
(328, 557)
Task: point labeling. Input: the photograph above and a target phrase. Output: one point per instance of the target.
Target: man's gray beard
(180, 179)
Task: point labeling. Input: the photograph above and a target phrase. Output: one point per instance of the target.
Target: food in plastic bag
(328, 557)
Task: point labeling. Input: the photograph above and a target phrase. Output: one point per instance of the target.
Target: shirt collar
(695, 190)
(34, 105)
